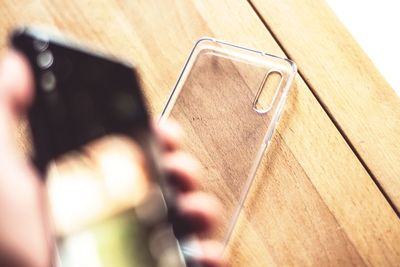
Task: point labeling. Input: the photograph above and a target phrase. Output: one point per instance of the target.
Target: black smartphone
(81, 96)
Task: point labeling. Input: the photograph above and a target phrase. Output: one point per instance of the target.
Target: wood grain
(345, 81)
(313, 202)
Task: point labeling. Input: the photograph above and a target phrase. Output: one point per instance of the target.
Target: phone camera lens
(48, 81)
(40, 44)
(45, 59)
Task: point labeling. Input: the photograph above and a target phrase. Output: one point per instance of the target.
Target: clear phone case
(229, 99)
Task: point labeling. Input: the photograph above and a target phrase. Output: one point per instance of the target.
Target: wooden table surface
(330, 194)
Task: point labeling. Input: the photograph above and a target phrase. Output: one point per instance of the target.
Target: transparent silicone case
(229, 114)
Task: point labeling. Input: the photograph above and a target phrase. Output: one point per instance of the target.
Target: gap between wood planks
(330, 115)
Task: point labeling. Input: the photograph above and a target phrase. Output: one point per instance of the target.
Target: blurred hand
(25, 236)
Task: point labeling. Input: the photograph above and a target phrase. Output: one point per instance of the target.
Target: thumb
(22, 202)
(16, 92)
(16, 82)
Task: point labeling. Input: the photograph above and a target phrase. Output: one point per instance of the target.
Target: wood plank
(284, 199)
(313, 203)
(345, 80)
